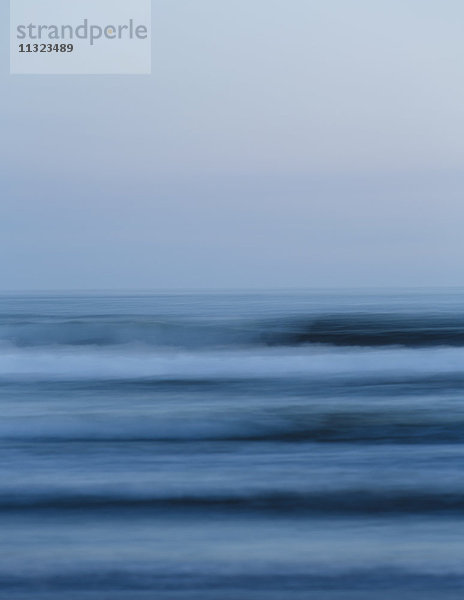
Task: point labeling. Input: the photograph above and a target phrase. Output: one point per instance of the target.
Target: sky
(277, 144)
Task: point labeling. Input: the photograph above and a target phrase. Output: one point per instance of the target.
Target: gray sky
(278, 143)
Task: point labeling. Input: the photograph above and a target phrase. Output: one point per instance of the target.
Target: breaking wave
(369, 330)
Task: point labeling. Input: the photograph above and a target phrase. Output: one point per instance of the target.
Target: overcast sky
(278, 143)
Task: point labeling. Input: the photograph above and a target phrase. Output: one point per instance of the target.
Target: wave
(347, 501)
(200, 582)
(116, 364)
(289, 424)
(373, 330)
(113, 331)
(365, 329)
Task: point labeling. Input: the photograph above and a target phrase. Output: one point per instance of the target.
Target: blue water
(232, 446)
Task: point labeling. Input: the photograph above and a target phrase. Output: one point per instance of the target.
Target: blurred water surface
(232, 446)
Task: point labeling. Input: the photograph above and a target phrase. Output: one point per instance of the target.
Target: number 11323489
(32, 48)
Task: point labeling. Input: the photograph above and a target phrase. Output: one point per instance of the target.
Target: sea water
(232, 446)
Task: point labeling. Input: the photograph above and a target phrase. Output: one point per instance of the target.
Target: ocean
(232, 446)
